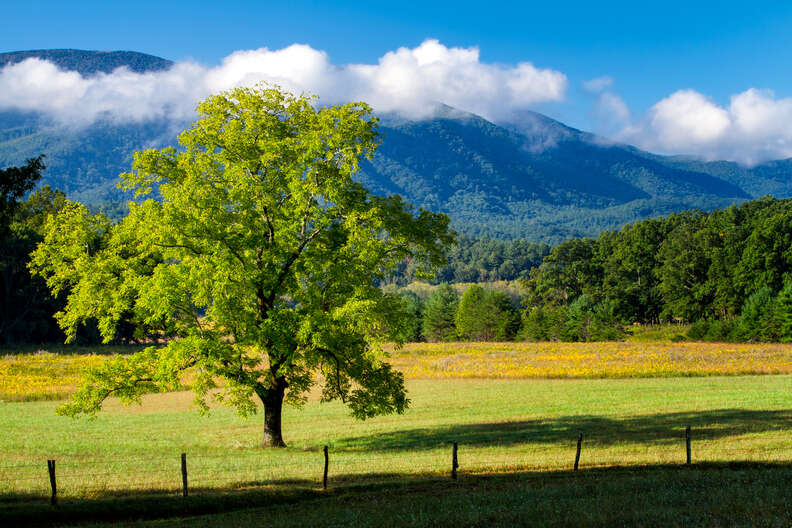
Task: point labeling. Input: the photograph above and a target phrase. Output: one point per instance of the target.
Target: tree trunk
(273, 408)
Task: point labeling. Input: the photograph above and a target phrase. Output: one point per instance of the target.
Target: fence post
(454, 461)
(687, 444)
(53, 484)
(577, 455)
(184, 474)
(327, 464)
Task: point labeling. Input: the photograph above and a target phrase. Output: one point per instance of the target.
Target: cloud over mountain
(408, 80)
(752, 128)
(755, 127)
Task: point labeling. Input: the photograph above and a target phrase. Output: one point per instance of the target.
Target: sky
(709, 79)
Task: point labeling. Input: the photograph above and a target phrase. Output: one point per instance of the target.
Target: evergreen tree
(439, 312)
(755, 322)
(544, 323)
(413, 306)
(486, 315)
(783, 313)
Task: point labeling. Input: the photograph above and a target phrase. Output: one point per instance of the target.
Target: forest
(727, 273)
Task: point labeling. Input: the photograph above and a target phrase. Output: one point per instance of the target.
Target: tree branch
(287, 266)
(183, 246)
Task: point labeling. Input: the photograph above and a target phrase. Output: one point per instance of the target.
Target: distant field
(590, 360)
(29, 374)
(37, 375)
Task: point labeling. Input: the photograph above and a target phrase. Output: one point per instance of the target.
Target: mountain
(536, 178)
(533, 177)
(90, 62)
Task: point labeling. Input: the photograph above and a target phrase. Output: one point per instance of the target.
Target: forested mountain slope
(533, 177)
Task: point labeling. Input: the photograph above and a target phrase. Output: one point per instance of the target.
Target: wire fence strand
(78, 475)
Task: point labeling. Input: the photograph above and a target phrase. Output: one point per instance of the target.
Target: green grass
(502, 426)
(660, 496)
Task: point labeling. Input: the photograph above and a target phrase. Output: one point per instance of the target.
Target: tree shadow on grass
(720, 492)
(665, 428)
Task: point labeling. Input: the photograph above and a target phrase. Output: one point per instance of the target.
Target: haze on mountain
(531, 177)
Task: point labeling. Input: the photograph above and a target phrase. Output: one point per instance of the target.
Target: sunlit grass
(501, 426)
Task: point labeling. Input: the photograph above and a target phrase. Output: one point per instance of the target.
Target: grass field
(590, 360)
(658, 496)
(516, 447)
(31, 374)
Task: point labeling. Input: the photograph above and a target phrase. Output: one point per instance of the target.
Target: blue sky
(648, 50)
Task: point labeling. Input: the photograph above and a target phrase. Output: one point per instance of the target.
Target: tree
(15, 182)
(767, 257)
(414, 307)
(544, 323)
(486, 315)
(571, 268)
(269, 257)
(756, 318)
(439, 312)
(629, 261)
(782, 314)
(26, 307)
(684, 261)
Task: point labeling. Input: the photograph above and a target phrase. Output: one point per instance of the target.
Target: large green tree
(571, 268)
(268, 258)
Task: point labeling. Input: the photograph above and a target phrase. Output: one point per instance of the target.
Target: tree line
(481, 259)
(728, 272)
(29, 309)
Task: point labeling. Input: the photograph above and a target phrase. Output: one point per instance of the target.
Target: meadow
(516, 435)
(33, 374)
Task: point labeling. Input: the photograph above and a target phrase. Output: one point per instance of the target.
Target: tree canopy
(263, 257)
(26, 306)
(15, 182)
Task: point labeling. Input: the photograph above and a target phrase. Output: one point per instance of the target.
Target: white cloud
(408, 80)
(610, 113)
(754, 127)
(598, 84)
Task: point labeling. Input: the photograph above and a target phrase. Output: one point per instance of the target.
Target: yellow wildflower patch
(589, 360)
(43, 375)
(48, 376)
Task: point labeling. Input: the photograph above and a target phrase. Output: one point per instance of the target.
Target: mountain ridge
(90, 62)
(532, 177)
